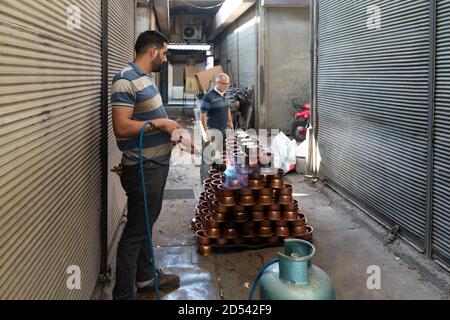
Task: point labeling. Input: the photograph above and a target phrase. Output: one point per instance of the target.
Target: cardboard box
(207, 78)
(191, 85)
(190, 82)
(190, 71)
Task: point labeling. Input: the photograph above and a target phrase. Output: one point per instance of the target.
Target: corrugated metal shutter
(441, 184)
(121, 36)
(372, 107)
(50, 91)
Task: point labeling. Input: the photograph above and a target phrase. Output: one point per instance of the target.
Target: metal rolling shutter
(372, 107)
(50, 91)
(441, 184)
(121, 35)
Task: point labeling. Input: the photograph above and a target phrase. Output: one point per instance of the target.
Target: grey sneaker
(165, 281)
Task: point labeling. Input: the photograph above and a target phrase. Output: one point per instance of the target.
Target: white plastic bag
(284, 152)
(302, 149)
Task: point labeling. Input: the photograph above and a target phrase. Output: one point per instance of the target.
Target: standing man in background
(216, 115)
(135, 100)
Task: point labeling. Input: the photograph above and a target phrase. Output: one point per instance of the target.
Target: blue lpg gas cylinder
(294, 277)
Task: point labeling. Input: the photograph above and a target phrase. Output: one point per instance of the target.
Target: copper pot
(205, 212)
(255, 184)
(274, 207)
(206, 219)
(265, 192)
(247, 201)
(301, 221)
(218, 177)
(240, 216)
(248, 232)
(299, 231)
(258, 216)
(225, 192)
(205, 250)
(239, 240)
(213, 172)
(235, 184)
(246, 192)
(265, 223)
(218, 208)
(250, 224)
(290, 215)
(267, 178)
(276, 183)
(221, 241)
(265, 200)
(202, 238)
(286, 190)
(219, 216)
(291, 206)
(239, 208)
(258, 208)
(213, 224)
(230, 225)
(203, 205)
(281, 223)
(309, 233)
(209, 190)
(274, 215)
(265, 232)
(199, 226)
(213, 233)
(227, 201)
(282, 231)
(207, 182)
(285, 199)
(215, 185)
(272, 240)
(279, 174)
(230, 233)
(256, 176)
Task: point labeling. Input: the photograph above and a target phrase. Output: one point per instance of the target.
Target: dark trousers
(133, 253)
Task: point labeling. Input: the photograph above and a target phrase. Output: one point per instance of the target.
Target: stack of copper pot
(257, 211)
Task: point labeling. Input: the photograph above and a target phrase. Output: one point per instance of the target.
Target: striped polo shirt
(133, 88)
(216, 107)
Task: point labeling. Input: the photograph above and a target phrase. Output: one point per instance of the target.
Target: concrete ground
(346, 240)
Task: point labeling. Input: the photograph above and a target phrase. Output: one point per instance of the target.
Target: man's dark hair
(149, 39)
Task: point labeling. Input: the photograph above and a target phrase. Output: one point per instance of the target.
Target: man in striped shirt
(135, 100)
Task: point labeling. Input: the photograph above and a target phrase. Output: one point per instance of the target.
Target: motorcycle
(300, 121)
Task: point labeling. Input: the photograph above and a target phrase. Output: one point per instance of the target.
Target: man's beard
(157, 64)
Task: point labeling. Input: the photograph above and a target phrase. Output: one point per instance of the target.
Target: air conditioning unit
(192, 32)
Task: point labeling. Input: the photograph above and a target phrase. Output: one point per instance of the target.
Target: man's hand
(166, 125)
(183, 139)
